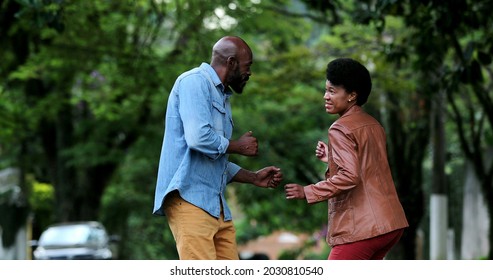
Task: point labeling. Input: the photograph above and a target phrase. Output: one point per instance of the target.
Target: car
(87, 240)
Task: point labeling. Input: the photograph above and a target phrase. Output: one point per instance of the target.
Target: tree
(85, 87)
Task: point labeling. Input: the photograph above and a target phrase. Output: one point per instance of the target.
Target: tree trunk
(487, 189)
(407, 148)
(474, 239)
(439, 199)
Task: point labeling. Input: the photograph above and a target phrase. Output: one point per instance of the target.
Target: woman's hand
(294, 191)
(322, 151)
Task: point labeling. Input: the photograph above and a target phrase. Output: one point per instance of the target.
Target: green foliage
(110, 64)
(42, 196)
(7, 122)
(41, 202)
(128, 200)
(85, 83)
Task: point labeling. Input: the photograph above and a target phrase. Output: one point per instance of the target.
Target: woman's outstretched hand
(294, 191)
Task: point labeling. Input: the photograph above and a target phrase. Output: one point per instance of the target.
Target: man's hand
(268, 177)
(294, 191)
(246, 145)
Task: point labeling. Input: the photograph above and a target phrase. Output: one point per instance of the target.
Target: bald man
(194, 168)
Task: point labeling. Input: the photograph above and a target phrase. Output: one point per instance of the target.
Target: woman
(366, 218)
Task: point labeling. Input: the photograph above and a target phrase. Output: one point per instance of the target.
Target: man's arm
(268, 177)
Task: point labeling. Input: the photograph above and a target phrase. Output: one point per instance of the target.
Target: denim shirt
(198, 127)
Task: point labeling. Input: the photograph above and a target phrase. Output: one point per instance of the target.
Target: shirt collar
(215, 78)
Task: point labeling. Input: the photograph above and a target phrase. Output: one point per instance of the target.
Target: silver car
(74, 241)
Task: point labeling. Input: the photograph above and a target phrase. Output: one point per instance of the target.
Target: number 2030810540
(303, 270)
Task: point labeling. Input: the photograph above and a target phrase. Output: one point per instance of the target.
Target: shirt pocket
(218, 117)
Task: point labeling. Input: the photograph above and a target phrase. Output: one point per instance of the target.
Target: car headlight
(40, 254)
(106, 254)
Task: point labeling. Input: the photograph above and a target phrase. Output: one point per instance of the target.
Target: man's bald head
(228, 46)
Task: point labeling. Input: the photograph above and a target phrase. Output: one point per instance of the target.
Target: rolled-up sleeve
(195, 110)
(231, 170)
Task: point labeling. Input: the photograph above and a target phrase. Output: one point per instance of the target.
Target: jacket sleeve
(344, 150)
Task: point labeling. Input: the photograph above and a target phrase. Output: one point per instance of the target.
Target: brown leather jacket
(363, 201)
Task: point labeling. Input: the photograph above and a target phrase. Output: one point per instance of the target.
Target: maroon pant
(369, 249)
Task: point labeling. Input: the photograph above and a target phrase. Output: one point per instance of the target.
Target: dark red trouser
(369, 249)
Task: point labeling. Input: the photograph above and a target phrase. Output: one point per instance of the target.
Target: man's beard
(237, 82)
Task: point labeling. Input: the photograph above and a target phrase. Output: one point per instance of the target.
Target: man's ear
(231, 61)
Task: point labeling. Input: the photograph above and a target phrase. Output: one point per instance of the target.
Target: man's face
(241, 73)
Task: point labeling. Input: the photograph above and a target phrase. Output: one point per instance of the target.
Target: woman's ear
(353, 95)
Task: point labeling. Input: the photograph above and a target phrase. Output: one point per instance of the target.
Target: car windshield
(65, 235)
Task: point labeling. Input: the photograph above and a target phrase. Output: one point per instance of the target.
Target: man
(194, 168)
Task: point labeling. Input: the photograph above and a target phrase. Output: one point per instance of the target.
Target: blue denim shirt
(198, 127)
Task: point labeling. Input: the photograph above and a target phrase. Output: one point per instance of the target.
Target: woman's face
(337, 100)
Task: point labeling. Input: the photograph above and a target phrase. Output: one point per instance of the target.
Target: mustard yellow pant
(198, 235)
